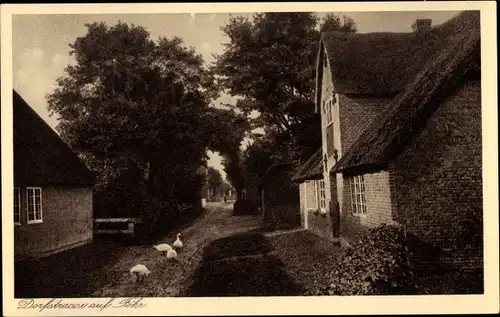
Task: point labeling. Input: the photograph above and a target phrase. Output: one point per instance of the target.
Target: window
(321, 194)
(17, 206)
(311, 195)
(330, 148)
(330, 109)
(328, 112)
(34, 204)
(358, 195)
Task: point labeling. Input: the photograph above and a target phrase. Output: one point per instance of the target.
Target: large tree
(135, 105)
(270, 63)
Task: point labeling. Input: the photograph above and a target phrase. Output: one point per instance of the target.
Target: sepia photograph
(245, 154)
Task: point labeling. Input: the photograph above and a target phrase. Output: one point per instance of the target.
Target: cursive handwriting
(40, 305)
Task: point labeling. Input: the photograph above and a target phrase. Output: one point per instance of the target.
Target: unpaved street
(170, 278)
(223, 255)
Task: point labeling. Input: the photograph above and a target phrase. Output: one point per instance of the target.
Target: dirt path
(170, 278)
(223, 255)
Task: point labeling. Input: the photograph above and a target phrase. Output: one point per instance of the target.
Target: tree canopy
(270, 63)
(138, 106)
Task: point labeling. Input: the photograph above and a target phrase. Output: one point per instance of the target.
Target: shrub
(375, 265)
(153, 215)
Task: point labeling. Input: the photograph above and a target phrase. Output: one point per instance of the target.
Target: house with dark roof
(52, 188)
(312, 193)
(401, 130)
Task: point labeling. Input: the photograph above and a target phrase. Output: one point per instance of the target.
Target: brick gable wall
(437, 182)
(356, 114)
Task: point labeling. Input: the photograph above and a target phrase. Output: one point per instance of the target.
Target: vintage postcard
(250, 158)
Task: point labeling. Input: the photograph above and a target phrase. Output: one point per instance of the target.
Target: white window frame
(17, 205)
(308, 204)
(321, 194)
(358, 195)
(36, 219)
(330, 109)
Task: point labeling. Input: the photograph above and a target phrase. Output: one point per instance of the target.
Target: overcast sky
(40, 43)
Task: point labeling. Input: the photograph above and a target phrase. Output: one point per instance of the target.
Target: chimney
(421, 25)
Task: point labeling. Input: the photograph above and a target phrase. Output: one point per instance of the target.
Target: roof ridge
(385, 62)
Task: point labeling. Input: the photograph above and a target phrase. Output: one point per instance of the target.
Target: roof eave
(364, 168)
(307, 178)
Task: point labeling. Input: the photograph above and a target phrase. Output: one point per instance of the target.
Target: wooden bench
(115, 225)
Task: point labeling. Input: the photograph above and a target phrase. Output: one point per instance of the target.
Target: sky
(41, 51)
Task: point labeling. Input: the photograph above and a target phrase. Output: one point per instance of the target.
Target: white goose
(171, 254)
(139, 271)
(163, 248)
(178, 243)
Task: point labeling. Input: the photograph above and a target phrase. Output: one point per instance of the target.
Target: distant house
(52, 189)
(401, 130)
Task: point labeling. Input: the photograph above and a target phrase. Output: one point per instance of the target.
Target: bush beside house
(377, 264)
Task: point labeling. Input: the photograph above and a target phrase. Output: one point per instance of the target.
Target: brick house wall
(351, 116)
(436, 183)
(378, 206)
(67, 222)
(356, 114)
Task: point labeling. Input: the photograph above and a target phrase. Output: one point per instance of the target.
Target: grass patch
(237, 245)
(306, 256)
(258, 276)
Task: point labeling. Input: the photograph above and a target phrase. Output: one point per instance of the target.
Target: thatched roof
(311, 169)
(407, 113)
(382, 63)
(40, 156)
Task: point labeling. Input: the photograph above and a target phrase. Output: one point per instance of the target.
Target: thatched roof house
(52, 188)
(457, 55)
(401, 131)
